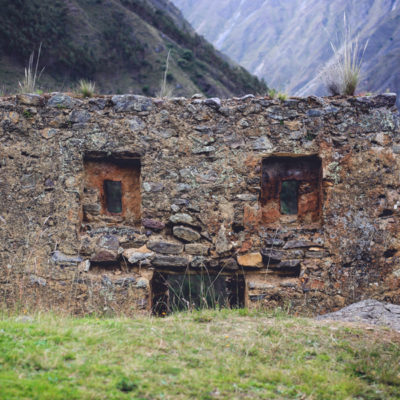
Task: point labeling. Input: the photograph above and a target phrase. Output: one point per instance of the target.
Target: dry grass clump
(86, 88)
(343, 75)
(166, 90)
(32, 74)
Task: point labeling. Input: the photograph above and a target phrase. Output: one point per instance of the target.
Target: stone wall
(206, 188)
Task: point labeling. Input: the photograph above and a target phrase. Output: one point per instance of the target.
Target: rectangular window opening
(180, 292)
(291, 189)
(111, 190)
(113, 195)
(289, 197)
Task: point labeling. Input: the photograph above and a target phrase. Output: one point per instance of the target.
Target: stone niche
(291, 189)
(111, 190)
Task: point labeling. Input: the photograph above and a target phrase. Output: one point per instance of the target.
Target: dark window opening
(111, 188)
(113, 195)
(291, 186)
(287, 271)
(236, 288)
(288, 197)
(180, 292)
(196, 291)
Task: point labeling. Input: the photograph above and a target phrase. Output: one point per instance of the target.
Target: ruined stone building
(131, 204)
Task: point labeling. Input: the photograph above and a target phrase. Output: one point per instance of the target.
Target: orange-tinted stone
(250, 260)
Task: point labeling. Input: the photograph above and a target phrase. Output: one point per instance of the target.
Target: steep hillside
(287, 42)
(120, 44)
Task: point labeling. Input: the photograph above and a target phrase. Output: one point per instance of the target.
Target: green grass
(201, 355)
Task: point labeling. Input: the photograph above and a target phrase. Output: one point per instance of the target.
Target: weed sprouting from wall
(166, 90)
(342, 76)
(32, 73)
(282, 96)
(272, 93)
(86, 88)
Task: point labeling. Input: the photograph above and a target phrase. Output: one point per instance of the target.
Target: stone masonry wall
(200, 193)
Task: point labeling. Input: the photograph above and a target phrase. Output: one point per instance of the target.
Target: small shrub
(27, 114)
(86, 88)
(187, 55)
(125, 385)
(282, 96)
(272, 93)
(183, 63)
(170, 77)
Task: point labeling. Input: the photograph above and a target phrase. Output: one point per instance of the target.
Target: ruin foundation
(137, 205)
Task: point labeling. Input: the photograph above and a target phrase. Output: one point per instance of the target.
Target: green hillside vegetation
(227, 354)
(120, 44)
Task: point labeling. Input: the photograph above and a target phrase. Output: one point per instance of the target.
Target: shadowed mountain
(122, 45)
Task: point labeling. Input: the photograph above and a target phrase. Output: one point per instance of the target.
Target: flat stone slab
(170, 262)
(370, 312)
(162, 247)
(186, 234)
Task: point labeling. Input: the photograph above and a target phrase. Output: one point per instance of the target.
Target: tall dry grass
(343, 75)
(86, 88)
(166, 90)
(32, 73)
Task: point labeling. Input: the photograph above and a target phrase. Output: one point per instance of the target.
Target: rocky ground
(369, 312)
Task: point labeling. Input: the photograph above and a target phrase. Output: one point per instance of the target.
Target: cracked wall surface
(196, 203)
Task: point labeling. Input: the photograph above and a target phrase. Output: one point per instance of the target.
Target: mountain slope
(120, 44)
(287, 42)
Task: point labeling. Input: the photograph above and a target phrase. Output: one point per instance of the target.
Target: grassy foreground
(200, 355)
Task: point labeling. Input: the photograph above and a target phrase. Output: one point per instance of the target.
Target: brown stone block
(250, 260)
(153, 224)
(13, 117)
(316, 284)
(271, 213)
(251, 217)
(246, 246)
(105, 255)
(308, 202)
(293, 125)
